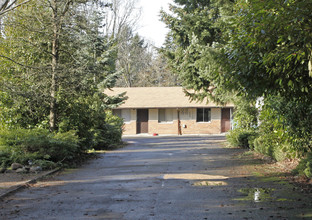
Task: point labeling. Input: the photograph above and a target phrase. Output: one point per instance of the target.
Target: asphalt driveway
(192, 177)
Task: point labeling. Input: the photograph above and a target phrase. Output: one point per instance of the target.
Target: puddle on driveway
(256, 194)
(193, 176)
(209, 183)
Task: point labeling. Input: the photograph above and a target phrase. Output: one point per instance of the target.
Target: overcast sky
(151, 27)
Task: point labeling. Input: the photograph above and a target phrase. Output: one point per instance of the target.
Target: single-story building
(167, 110)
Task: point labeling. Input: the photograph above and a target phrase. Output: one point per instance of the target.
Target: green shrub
(4, 158)
(232, 137)
(62, 146)
(264, 145)
(241, 138)
(23, 145)
(271, 145)
(246, 139)
(96, 126)
(308, 170)
(305, 166)
(109, 134)
(279, 153)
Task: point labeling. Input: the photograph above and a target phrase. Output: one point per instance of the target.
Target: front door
(225, 120)
(142, 121)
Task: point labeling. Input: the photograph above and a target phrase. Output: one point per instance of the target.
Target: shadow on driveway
(183, 178)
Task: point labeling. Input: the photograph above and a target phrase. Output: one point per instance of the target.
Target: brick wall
(193, 127)
(131, 127)
(188, 119)
(163, 128)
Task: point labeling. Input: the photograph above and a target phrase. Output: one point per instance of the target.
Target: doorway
(142, 121)
(225, 120)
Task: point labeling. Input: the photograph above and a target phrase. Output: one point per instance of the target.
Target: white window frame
(121, 113)
(167, 112)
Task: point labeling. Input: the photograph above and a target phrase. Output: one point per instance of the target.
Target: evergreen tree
(55, 64)
(195, 42)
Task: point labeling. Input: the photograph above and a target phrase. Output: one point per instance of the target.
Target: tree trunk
(54, 65)
(115, 17)
(310, 65)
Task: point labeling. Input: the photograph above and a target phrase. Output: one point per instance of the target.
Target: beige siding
(215, 113)
(188, 114)
(153, 115)
(129, 128)
(133, 115)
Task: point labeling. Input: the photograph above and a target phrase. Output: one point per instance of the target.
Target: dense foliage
(269, 48)
(55, 64)
(38, 147)
(247, 51)
(195, 43)
(269, 54)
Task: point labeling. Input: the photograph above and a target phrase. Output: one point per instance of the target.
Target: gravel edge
(17, 188)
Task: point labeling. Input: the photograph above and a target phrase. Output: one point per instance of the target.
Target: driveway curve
(160, 178)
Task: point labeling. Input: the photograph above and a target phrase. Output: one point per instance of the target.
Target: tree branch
(5, 4)
(66, 7)
(8, 58)
(12, 8)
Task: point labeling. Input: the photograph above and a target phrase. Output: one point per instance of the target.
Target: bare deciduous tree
(121, 14)
(8, 5)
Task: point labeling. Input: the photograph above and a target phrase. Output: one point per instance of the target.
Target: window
(187, 114)
(165, 115)
(125, 114)
(203, 115)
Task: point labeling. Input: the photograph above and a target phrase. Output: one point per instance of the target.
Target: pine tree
(195, 42)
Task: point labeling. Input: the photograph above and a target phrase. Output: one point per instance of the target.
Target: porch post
(179, 123)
